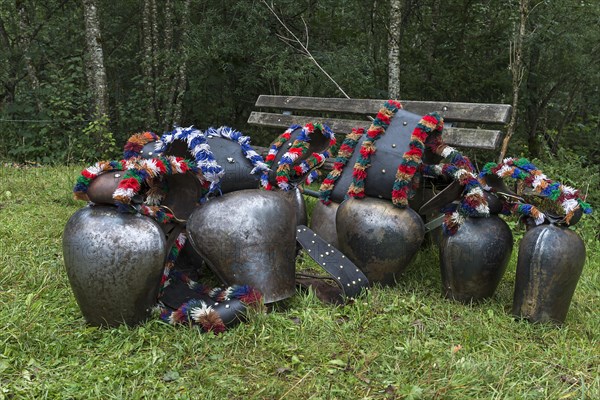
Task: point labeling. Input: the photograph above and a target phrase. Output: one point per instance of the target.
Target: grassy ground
(401, 342)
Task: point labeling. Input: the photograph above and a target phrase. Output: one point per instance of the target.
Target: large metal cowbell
(114, 262)
(248, 237)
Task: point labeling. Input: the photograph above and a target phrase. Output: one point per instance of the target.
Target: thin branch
(303, 47)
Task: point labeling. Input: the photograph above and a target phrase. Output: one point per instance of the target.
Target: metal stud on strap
(348, 277)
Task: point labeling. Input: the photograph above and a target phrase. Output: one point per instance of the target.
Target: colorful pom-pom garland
(90, 173)
(138, 172)
(568, 198)
(298, 149)
(136, 143)
(197, 311)
(367, 149)
(343, 155)
(244, 141)
(472, 204)
(200, 150)
(413, 158)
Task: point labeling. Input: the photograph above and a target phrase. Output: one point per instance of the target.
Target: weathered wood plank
(461, 137)
(451, 111)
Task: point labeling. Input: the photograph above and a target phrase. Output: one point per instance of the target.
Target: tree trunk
(148, 63)
(24, 42)
(95, 58)
(182, 81)
(517, 71)
(394, 49)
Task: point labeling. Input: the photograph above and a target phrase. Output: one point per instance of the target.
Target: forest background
(78, 77)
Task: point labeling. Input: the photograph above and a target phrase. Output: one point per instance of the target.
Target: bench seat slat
(461, 137)
(451, 111)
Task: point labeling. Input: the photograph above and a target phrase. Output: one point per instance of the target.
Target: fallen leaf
(170, 376)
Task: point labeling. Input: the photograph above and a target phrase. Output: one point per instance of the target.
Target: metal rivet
(326, 253)
(230, 160)
(314, 234)
(324, 263)
(404, 123)
(359, 279)
(117, 175)
(142, 152)
(328, 245)
(380, 196)
(304, 230)
(150, 153)
(383, 171)
(347, 284)
(339, 278)
(321, 255)
(354, 282)
(216, 304)
(445, 108)
(343, 256)
(393, 145)
(313, 241)
(341, 267)
(309, 250)
(226, 305)
(299, 230)
(289, 145)
(357, 270)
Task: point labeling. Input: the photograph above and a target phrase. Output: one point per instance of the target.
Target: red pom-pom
(415, 151)
(87, 174)
(359, 174)
(130, 183)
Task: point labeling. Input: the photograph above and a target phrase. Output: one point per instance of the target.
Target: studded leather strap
(348, 277)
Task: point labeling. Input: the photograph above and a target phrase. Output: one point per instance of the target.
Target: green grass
(401, 342)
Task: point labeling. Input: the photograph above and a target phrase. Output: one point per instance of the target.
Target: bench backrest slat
(451, 111)
(462, 137)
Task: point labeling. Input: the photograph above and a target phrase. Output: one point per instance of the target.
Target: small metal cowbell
(114, 262)
(248, 237)
(378, 237)
(474, 259)
(551, 260)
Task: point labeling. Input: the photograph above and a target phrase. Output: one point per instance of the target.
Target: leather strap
(349, 278)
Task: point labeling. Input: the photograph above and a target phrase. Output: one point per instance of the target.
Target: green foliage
(97, 141)
(457, 51)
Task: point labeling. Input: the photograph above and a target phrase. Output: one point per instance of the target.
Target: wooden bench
(467, 125)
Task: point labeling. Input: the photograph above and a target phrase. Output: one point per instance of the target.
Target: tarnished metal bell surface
(551, 260)
(474, 259)
(248, 237)
(322, 221)
(297, 199)
(237, 167)
(378, 237)
(114, 262)
(102, 188)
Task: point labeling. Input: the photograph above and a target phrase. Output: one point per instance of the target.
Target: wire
(46, 120)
